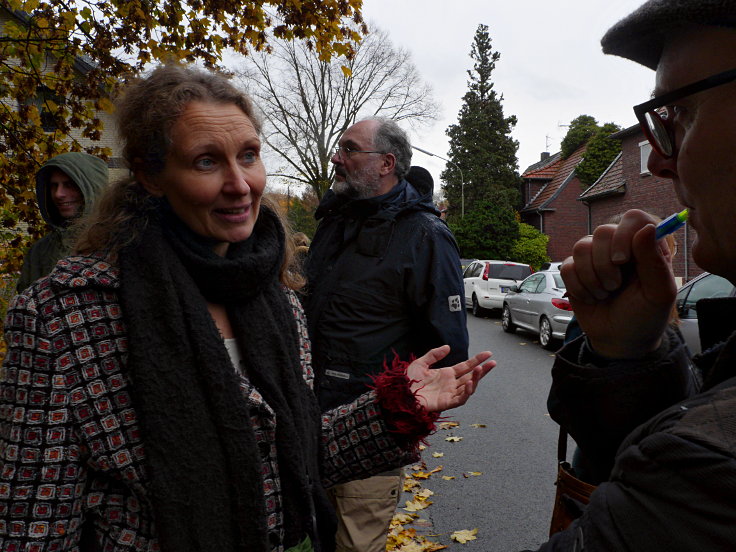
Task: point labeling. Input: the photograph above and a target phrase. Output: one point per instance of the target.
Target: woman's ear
(149, 183)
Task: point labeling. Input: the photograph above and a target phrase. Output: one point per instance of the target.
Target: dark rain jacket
(384, 277)
(91, 175)
(672, 480)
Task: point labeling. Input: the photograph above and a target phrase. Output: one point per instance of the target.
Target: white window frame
(645, 148)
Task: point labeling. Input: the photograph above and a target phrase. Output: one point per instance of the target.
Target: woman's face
(213, 177)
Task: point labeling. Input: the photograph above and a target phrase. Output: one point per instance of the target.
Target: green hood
(87, 171)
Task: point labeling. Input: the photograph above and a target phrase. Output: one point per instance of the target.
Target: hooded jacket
(90, 174)
(384, 277)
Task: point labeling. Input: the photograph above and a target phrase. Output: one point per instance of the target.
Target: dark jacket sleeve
(436, 292)
(599, 405)
(667, 492)
(41, 259)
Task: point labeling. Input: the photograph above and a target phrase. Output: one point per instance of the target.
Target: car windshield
(707, 286)
(509, 272)
(559, 282)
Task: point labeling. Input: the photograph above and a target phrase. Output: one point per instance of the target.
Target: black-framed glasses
(348, 151)
(655, 116)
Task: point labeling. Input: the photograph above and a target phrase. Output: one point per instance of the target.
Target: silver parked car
(705, 285)
(538, 305)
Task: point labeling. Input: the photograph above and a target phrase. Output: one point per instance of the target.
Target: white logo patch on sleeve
(336, 374)
(453, 302)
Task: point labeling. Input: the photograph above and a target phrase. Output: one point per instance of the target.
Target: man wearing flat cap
(656, 428)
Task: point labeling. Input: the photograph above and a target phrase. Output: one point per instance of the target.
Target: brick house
(550, 190)
(109, 136)
(628, 184)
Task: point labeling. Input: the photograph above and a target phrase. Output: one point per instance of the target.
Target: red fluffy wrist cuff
(405, 416)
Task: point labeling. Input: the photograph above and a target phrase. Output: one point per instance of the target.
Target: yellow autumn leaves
(406, 533)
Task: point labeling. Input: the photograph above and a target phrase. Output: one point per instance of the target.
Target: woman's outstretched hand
(439, 389)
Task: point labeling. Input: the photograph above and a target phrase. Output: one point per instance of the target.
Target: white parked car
(488, 282)
(554, 265)
(538, 305)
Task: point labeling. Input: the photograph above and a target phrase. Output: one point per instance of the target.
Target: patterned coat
(70, 444)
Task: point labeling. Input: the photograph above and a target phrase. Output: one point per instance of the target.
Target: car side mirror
(515, 289)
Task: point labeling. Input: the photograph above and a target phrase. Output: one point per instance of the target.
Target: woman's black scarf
(202, 459)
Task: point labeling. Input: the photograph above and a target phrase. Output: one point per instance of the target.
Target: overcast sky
(551, 68)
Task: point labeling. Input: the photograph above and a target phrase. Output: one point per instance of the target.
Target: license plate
(504, 289)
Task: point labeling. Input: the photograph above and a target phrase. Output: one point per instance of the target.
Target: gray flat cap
(641, 36)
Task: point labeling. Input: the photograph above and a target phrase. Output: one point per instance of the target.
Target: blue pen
(671, 223)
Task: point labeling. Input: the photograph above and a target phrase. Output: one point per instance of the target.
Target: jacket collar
(402, 197)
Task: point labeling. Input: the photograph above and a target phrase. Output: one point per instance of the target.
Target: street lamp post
(462, 181)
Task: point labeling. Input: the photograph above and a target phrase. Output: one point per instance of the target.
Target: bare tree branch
(308, 104)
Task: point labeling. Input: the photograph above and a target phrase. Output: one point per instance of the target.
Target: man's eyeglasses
(348, 151)
(655, 116)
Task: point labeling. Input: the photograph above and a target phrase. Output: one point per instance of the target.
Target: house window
(43, 94)
(645, 149)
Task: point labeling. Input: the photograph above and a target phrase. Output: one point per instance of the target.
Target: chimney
(545, 156)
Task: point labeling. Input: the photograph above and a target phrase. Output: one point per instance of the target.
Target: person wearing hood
(384, 283)
(66, 188)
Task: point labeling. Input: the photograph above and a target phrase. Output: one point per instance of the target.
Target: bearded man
(384, 282)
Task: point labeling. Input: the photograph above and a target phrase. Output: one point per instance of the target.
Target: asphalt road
(511, 501)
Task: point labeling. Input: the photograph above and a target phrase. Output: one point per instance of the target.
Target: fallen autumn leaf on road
(416, 505)
(410, 483)
(425, 475)
(464, 536)
(402, 518)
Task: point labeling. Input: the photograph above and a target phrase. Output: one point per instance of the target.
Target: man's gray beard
(361, 186)
(343, 189)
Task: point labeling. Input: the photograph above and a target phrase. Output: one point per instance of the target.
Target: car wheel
(545, 334)
(506, 323)
(477, 309)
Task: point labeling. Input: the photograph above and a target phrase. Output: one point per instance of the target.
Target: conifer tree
(482, 151)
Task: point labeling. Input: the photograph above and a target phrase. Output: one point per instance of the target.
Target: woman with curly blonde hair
(157, 393)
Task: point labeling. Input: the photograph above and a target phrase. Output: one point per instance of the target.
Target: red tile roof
(547, 168)
(612, 181)
(565, 172)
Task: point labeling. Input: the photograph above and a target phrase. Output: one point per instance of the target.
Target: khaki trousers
(364, 511)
